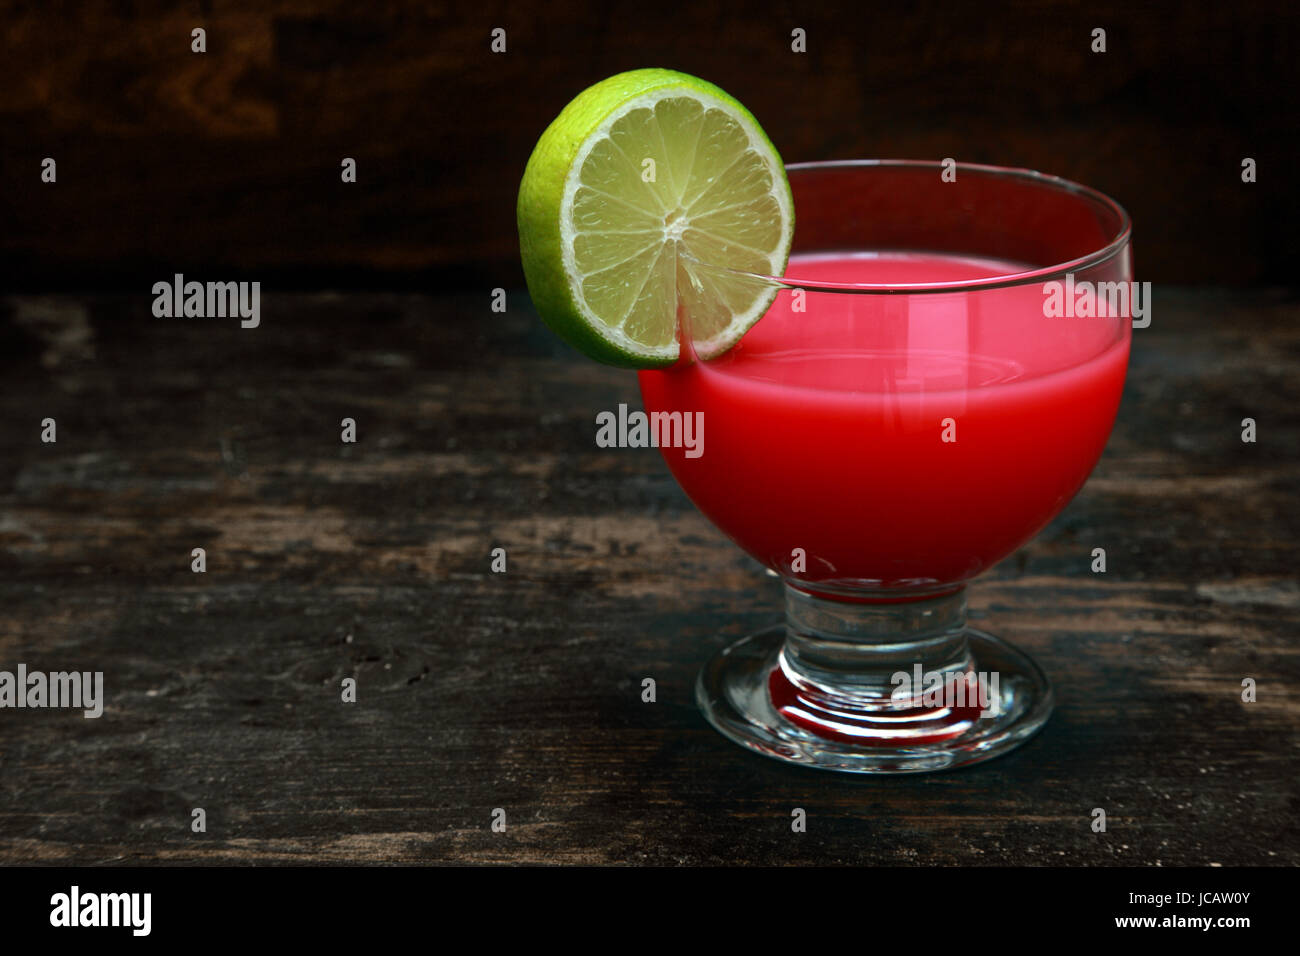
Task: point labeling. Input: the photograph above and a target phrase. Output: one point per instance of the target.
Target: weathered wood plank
(521, 691)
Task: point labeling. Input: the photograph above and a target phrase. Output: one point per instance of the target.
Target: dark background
(476, 690)
(226, 164)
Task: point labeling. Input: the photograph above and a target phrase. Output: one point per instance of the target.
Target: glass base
(840, 700)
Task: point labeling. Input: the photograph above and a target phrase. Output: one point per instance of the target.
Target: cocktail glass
(935, 380)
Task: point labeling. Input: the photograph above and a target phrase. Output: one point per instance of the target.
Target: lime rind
(719, 196)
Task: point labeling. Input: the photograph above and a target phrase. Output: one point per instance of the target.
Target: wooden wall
(227, 163)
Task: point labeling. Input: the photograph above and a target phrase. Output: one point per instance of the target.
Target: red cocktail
(909, 411)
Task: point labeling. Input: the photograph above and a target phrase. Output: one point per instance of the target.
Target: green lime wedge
(638, 180)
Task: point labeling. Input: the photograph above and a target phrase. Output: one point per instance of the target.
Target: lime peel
(634, 172)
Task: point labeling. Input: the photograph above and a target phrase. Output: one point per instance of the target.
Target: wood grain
(522, 690)
(228, 162)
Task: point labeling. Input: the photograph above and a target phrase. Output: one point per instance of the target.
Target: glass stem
(847, 656)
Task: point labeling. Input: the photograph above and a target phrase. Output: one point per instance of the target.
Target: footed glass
(935, 379)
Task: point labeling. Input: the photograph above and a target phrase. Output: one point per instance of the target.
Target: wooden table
(521, 691)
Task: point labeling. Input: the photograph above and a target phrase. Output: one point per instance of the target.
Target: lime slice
(638, 180)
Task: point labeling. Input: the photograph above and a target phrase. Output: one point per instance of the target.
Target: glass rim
(1043, 274)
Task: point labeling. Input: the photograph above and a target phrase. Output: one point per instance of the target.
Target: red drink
(826, 427)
